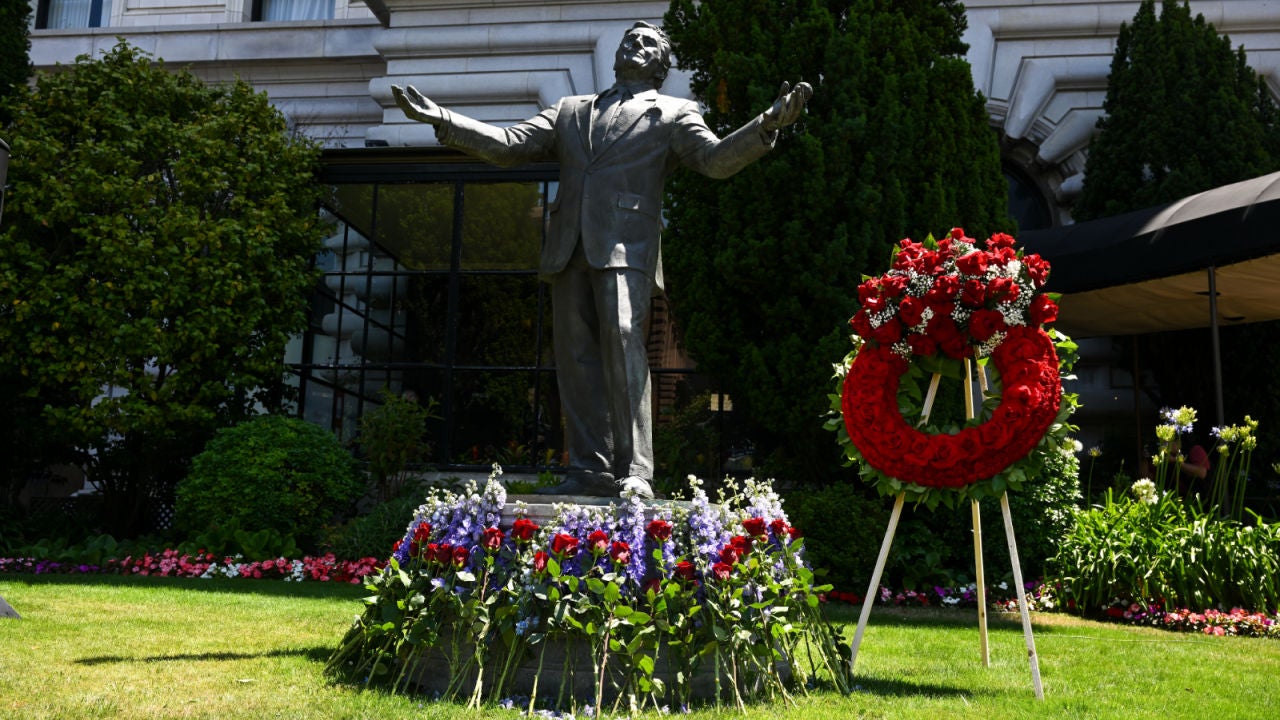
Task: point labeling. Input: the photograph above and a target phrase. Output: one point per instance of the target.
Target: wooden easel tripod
(873, 588)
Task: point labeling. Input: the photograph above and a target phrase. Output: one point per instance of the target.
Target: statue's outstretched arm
(417, 106)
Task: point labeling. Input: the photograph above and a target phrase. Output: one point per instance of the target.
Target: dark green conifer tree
(15, 48)
(1184, 113)
(762, 267)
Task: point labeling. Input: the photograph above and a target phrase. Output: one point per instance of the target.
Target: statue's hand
(417, 106)
(788, 107)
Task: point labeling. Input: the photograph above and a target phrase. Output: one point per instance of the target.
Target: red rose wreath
(942, 302)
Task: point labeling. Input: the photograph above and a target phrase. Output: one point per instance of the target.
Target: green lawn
(111, 647)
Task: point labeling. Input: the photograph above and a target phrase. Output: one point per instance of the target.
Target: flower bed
(1041, 597)
(658, 602)
(171, 563)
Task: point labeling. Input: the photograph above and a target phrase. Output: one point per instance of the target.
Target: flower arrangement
(665, 603)
(941, 303)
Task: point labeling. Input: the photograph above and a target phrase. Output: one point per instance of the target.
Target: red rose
(875, 305)
(460, 556)
(742, 544)
(944, 331)
(1037, 269)
(728, 554)
(892, 286)
(1043, 310)
(620, 552)
(999, 240)
(653, 585)
(911, 310)
(564, 545)
(868, 289)
(492, 539)
(1002, 289)
(974, 263)
(1004, 256)
(794, 532)
(540, 561)
(721, 571)
(888, 333)
(944, 452)
(396, 547)
(974, 293)
(422, 533)
(523, 529)
(931, 263)
(957, 233)
(414, 546)
(921, 345)
(1027, 396)
(779, 528)
(755, 526)
(985, 323)
(943, 291)
(443, 554)
(598, 542)
(861, 323)
(684, 570)
(658, 530)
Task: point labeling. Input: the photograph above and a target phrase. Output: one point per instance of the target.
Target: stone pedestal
(541, 509)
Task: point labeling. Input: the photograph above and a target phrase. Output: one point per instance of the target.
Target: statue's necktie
(608, 105)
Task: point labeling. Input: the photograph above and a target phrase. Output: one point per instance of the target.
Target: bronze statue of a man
(602, 253)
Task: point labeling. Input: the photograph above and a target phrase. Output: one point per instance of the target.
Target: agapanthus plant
(666, 602)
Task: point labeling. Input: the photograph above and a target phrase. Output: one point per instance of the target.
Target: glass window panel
(65, 14)
(498, 320)
(354, 204)
(425, 306)
(494, 418)
(415, 224)
(502, 226)
(281, 10)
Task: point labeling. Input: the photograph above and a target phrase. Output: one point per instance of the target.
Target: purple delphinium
(706, 527)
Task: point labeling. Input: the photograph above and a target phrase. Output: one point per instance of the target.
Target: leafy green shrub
(391, 437)
(272, 472)
(374, 533)
(1159, 549)
(842, 531)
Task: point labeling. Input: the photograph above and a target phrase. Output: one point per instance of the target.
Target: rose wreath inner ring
(1029, 400)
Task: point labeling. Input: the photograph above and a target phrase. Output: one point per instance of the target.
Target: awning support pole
(1217, 346)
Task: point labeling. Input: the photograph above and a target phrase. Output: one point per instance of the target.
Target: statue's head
(643, 54)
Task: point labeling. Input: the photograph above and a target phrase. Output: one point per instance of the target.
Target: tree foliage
(1184, 113)
(895, 143)
(15, 46)
(153, 264)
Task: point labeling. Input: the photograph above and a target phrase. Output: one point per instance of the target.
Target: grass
(131, 647)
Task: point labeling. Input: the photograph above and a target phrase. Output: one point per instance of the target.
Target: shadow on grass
(315, 654)
(904, 688)
(266, 586)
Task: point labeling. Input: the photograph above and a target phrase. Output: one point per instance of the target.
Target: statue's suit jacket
(611, 195)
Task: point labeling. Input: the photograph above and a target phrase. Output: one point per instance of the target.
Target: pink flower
(620, 552)
(598, 542)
